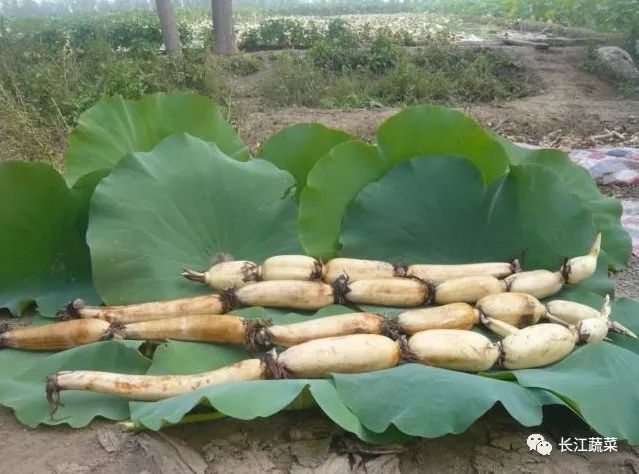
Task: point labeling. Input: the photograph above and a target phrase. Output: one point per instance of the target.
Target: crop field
(378, 237)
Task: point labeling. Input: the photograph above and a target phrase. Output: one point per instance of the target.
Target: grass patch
(44, 88)
(44, 91)
(23, 137)
(386, 74)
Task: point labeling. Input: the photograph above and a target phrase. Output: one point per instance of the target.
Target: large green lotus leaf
(182, 357)
(432, 131)
(241, 400)
(12, 361)
(23, 388)
(151, 217)
(605, 210)
(331, 403)
(297, 148)
(249, 400)
(602, 380)
(431, 402)
(418, 213)
(42, 248)
(332, 184)
(114, 127)
(551, 230)
(337, 178)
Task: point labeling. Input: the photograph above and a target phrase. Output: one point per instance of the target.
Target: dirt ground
(273, 445)
(572, 108)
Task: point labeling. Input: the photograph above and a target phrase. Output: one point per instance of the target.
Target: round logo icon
(537, 442)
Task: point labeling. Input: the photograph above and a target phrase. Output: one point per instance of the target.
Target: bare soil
(297, 442)
(572, 107)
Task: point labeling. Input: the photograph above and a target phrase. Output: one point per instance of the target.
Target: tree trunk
(223, 34)
(169, 27)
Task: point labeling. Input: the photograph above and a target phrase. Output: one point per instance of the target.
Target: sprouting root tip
(71, 310)
(274, 369)
(340, 288)
(53, 393)
(606, 308)
(256, 334)
(596, 246)
(606, 312)
(620, 329)
(193, 275)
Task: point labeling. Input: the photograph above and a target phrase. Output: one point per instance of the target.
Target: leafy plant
(435, 187)
(349, 72)
(116, 127)
(305, 144)
(337, 55)
(42, 246)
(385, 53)
(183, 214)
(22, 375)
(606, 211)
(279, 33)
(502, 215)
(241, 64)
(43, 242)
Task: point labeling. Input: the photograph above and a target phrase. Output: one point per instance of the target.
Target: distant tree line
(63, 7)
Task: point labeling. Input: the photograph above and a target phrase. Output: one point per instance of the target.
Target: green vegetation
(348, 67)
(433, 174)
(611, 15)
(342, 73)
(294, 33)
(54, 68)
(118, 30)
(50, 75)
(430, 176)
(280, 33)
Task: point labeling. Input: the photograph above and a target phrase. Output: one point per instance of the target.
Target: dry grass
(22, 138)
